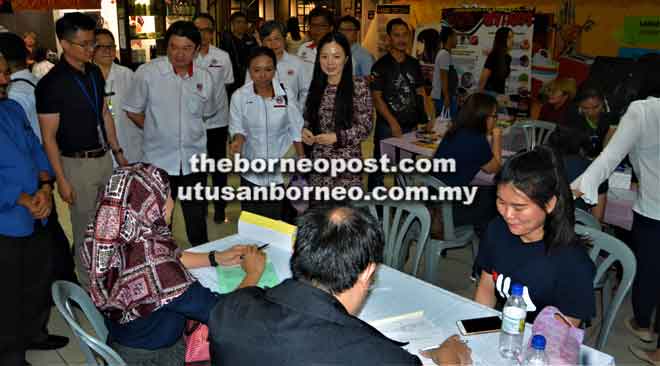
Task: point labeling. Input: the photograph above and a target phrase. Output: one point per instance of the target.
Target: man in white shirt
(289, 67)
(218, 63)
(118, 82)
(170, 100)
(321, 22)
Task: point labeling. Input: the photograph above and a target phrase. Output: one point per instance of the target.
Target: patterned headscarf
(129, 250)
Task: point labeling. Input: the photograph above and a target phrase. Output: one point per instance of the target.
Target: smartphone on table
(469, 327)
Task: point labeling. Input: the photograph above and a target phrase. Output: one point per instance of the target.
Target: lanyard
(94, 103)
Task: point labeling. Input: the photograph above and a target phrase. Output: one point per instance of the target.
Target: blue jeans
(440, 105)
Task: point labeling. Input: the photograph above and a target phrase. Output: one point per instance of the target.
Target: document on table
(230, 277)
(418, 331)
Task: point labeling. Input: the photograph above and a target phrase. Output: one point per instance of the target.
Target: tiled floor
(455, 271)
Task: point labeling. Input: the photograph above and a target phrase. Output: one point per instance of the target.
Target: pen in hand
(258, 248)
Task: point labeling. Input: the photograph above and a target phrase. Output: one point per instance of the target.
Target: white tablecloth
(396, 293)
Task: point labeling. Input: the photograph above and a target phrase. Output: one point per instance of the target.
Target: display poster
(475, 28)
(644, 30)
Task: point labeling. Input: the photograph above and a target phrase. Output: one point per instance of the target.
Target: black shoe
(25, 363)
(53, 342)
(219, 216)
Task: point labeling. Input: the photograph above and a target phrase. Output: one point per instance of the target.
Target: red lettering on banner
(512, 19)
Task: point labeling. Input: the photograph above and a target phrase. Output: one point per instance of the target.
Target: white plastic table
(396, 293)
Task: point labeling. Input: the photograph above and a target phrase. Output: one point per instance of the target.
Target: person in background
(118, 82)
(146, 318)
(335, 257)
(293, 37)
(561, 92)
(42, 64)
(572, 145)
(593, 116)
(26, 262)
(238, 44)
(430, 39)
(263, 124)
(77, 127)
(289, 67)
(498, 64)
(31, 42)
(321, 22)
(256, 29)
(466, 142)
(398, 91)
(445, 78)
(218, 63)
(175, 131)
(362, 60)
(533, 242)
(21, 90)
(637, 136)
(339, 111)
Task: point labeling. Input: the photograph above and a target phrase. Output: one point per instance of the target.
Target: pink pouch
(196, 336)
(563, 340)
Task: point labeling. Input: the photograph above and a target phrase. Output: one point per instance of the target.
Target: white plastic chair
(64, 293)
(583, 217)
(453, 237)
(536, 132)
(615, 251)
(402, 223)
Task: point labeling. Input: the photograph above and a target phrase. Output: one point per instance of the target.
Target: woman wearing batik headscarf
(138, 276)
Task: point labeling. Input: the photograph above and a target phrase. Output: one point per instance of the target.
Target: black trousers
(26, 273)
(63, 265)
(194, 211)
(271, 209)
(216, 145)
(646, 288)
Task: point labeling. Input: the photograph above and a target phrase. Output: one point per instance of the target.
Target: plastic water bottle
(513, 324)
(536, 354)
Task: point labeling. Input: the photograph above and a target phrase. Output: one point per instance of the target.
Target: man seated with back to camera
(310, 318)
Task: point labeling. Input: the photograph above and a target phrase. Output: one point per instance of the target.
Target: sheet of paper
(418, 331)
(262, 229)
(230, 277)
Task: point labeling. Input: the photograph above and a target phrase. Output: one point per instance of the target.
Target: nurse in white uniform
(263, 123)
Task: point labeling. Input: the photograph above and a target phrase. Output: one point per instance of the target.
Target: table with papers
(428, 313)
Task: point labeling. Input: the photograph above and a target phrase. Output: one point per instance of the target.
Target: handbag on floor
(563, 340)
(196, 336)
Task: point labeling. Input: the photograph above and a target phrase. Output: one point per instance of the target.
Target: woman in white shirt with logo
(263, 124)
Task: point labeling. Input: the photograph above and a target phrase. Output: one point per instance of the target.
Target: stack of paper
(262, 229)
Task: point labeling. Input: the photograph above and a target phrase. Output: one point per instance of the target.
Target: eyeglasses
(347, 29)
(101, 47)
(86, 45)
(205, 30)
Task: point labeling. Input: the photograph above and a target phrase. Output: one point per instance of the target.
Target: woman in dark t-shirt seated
(533, 242)
(573, 145)
(591, 114)
(466, 142)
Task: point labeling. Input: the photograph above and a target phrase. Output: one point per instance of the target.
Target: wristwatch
(212, 259)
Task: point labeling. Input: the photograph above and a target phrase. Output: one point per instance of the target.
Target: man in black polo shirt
(76, 125)
(398, 91)
(238, 44)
